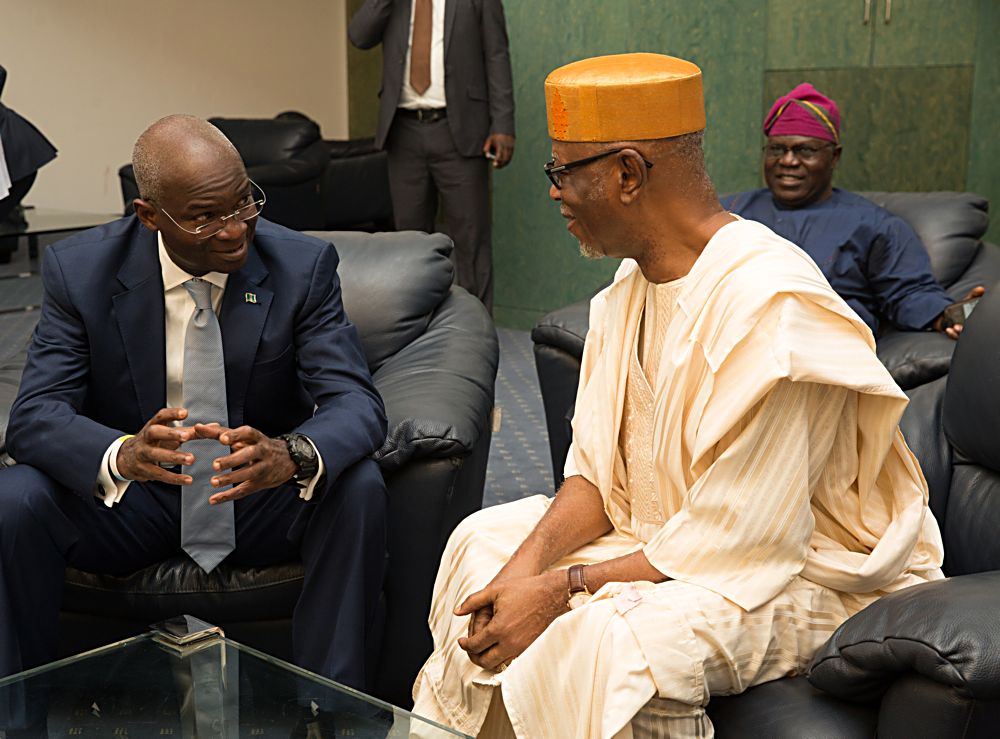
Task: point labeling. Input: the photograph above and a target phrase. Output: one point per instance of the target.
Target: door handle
(888, 11)
(868, 13)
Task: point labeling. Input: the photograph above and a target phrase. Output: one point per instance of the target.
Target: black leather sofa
(310, 182)
(433, 352)
(951, 226)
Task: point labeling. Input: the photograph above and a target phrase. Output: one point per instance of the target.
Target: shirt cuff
(109, 489)
(306, 487)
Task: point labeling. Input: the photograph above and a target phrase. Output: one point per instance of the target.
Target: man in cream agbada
(737, 485)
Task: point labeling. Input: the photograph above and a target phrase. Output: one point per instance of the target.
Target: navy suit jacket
(96, 367)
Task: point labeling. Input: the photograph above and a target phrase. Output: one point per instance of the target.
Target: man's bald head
(169, 149)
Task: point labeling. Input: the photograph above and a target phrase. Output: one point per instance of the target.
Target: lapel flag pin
(250, 297)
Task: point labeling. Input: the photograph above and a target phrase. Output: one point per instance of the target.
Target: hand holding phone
(957, 313)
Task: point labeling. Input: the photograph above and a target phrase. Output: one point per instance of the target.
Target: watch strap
(577, 582)
(302, 454)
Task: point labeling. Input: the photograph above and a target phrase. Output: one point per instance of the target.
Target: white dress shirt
(433, 96)
(178, 308)
(5, 182)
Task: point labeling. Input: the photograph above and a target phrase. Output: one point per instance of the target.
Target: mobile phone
(490, 155)
(957, 313)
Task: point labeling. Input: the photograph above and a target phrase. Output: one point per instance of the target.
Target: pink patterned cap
(805, 111)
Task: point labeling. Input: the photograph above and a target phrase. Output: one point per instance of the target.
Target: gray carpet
(519, 464)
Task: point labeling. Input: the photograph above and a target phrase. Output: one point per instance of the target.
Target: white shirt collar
(173, 276)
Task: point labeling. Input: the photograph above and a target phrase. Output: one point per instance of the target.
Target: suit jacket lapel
(139, 312)
(244, 310)
(401, 42)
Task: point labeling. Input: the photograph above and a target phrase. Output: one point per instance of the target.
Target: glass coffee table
(41, 221)
(20, 282)
(217, 688)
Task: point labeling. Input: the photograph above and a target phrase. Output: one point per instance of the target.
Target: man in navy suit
(100, 437)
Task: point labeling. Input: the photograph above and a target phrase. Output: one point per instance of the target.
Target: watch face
(302, 454)
(579, 599)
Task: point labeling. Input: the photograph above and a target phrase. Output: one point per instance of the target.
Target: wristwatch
(578, 593)
(303, 455)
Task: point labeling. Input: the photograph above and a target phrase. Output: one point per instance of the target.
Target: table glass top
(53, 220)
(218, 688)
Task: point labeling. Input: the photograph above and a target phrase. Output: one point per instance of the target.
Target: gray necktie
(208, 533)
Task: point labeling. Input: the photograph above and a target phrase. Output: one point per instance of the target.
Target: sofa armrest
(565, 328)
(341, 148)
(946, 631)
(438, 390)
(915, 357)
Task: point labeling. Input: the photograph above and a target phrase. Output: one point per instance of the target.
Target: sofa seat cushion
(178, 585)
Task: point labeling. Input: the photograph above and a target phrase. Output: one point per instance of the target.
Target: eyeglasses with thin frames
(554, 172)
(213, 226)
(802, 152)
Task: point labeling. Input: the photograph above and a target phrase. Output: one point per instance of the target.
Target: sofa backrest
(392, 284)
(971, 420)
(268, 140)
(950, 224)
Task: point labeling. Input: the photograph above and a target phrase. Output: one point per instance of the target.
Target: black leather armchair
(286, 157)
(951, 226)
(355, 186)
(433, 353)
(311, 183)
(924, 661)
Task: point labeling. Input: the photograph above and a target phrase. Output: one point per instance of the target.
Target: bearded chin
(590, 252)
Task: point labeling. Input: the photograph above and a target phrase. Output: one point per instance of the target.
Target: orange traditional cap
(624, 97)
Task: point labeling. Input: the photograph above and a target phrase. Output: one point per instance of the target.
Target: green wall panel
(926, 32)
(537, 262)
(924, 118)
(805, 35)
(984, 144)
(889, 141)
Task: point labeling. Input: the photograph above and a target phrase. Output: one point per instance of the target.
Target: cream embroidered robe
(785, 500)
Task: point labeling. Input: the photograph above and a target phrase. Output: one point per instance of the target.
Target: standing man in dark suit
(447, 111)
(194, 302)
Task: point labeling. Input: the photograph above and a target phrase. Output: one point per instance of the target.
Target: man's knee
(28, 504)
(361, 490)
(23, 489)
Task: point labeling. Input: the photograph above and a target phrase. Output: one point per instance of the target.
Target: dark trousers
(340, 538)
(425, 166)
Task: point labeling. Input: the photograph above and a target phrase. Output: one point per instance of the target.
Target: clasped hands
(509, 614)
(256, 461)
